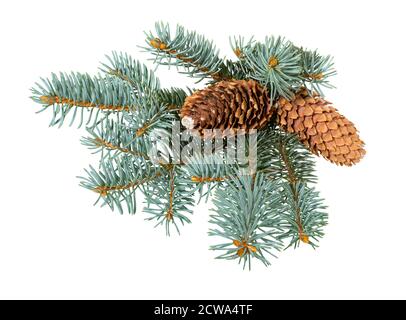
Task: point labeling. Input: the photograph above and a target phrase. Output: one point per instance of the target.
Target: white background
(55, 244)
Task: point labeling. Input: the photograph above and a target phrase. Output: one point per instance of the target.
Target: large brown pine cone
(235, 104)
(321, 128)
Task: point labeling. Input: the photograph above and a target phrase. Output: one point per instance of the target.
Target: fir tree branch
(292, 179)
(169, 198)
(163, 112)
(161, 117)
(241, 69)
(253, 213)
(276, 63)
(173, 98)
(80, 91)
(143, 80)
(49, 100)
(283, 159)
(151, 115)
(112, 147)
(117, 180)
(206, 172)
(116, 137)
(123, 66)
(247, 216)
(304, 209)
(271, 163)
(161, 46)
(317, 70)
(104, 190)
(306, 202)
(189, 50)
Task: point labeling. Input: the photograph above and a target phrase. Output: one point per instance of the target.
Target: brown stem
(104, 190)
(169, 213)
(207, 179)
(83, 104)
(142, 130)
(104, 143)
(293, 185)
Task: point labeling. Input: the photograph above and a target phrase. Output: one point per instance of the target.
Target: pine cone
(235, 104)
(321, 128)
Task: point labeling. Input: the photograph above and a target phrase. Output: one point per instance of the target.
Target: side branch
(104, 190)
(110, 146)
(293, 186)
(163, 47)
(49, 100)
(169, 212)
(207, 179)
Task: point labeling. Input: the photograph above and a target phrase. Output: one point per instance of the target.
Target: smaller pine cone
(321, 128)
(235, 104)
